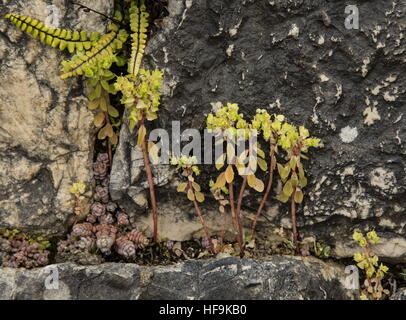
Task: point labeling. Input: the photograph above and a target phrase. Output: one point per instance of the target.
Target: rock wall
(284, 278)
(296, 58)
(46, 131)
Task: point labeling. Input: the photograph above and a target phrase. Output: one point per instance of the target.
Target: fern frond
(61, 38)
(107, 45)
(139, 26)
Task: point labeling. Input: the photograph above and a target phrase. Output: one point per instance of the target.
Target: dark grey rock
(400, 294)
(228, 278)
(346, 86)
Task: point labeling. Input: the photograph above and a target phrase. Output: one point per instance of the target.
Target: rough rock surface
(46, 131)
(296, 58)
(227, 278)
(399, 294)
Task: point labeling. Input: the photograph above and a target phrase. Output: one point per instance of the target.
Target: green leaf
(230, 152)
(93, 105)
(259, 185)
(303, 182)
(283, 171)
(292, 163)
(298, 196)
(199, 196)
(103, 104)
(102, 134)
(113, 139)
(99, 119)
(220, 161)
(182, 187)
(112, 111)
(142, 132)
(229, 174)
(190, 195)
(196, 186)
(260, 153)
(282, 197)
(105, 85)
(251, 179)
(109, 130)
(287, 188)
(262, 164)
(294, 180)
(221, 180)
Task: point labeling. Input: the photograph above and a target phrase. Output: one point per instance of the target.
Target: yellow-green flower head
(383, 268)
(142, 95)
(196, 170)
(373, 237)
(225, 118)
(78, 188)
(174, 161)
(303, 132)
(279, 117)
(370, 271)
(184, 161)
(357, 236)
(363, 264)
(358, 257)
(312, 142)
(363, 242)
(374, 260)
(211, 183)
(241, 124)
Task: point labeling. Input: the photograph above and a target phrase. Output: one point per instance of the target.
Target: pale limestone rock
(46, 130)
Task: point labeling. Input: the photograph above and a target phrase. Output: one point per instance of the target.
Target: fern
(62, 38)
(139, 25)
(106, 46)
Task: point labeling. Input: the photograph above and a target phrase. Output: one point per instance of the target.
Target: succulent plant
(102, 194)
(82, 230)
(21, 253)
(125, 247)
(98, 209)
(106, 219)
(105, 237)
(111, 206)
(139, 239)
(122, 219)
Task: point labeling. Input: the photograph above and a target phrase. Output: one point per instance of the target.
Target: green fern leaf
(61, 38)
(106, 46)
(139, 27)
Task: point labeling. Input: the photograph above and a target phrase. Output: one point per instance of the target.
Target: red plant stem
(199, 214)
(110, 152)
(107, 118)
(272, 166)
(239, 203)
(225, 224)
(294, 228)
(233, 215)
(151, 187)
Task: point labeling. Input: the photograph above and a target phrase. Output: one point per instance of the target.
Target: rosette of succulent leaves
(368, 262)
(20, 250)
(189, 168)
(94, 55)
